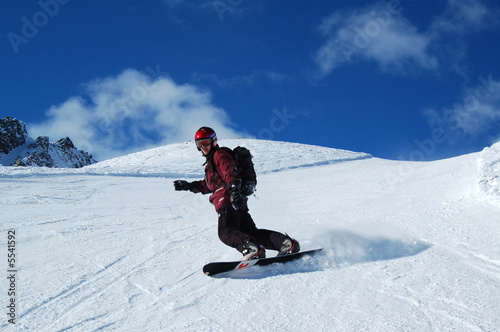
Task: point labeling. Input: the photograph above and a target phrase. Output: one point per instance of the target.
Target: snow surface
(411, 246)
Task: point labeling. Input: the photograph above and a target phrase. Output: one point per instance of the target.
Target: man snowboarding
(236, 227)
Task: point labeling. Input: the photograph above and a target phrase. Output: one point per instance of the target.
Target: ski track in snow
(112, 247)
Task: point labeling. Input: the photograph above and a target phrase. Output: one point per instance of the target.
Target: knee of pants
(222, 234)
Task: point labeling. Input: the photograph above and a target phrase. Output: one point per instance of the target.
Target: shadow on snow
(340, 249)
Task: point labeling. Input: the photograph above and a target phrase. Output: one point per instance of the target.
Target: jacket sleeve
(202, 187)
(226, 167)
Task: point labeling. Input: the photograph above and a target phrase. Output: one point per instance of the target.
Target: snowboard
(214, 268)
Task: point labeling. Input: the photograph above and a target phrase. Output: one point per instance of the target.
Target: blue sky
(413, 80)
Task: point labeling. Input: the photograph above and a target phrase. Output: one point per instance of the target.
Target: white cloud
(476, 113)
(381, 34)
(131, 112)
(377, 33)
(451, 30)
(462, 16)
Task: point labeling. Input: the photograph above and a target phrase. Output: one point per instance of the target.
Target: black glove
(238, 200)
(184, 185)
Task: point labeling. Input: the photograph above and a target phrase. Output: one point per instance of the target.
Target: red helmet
(205, 136)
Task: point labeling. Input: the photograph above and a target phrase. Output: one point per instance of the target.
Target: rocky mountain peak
(13, 134)
(17, 148)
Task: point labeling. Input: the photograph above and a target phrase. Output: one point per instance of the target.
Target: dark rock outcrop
(12, 134)
(18, 149)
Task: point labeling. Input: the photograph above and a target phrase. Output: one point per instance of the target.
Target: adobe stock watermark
(449, 122)
(223, 6)
(192, 207)
(12, 277)
(471, 103)
(31, 26)
(277, 123)
(424, 150)
(366, 33)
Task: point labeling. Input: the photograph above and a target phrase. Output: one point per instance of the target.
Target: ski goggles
(203, 142)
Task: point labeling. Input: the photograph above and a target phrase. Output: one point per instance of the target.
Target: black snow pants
(237, 227)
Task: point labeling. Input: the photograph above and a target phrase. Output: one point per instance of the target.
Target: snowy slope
(112, 247)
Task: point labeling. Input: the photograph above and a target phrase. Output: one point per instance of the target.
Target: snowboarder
(236, 227)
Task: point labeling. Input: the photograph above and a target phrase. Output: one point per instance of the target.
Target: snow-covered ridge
(184, 160)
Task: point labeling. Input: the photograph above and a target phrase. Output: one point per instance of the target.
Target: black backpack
(245, 169)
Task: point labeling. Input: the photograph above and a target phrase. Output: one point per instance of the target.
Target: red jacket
(219, 178)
